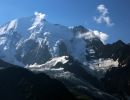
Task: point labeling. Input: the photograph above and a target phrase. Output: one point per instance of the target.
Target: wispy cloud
(104, 16)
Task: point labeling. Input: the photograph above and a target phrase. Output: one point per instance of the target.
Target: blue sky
(75, 12)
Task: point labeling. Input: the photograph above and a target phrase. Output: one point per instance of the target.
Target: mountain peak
(119, 42)
(79, 29)
(38, 20)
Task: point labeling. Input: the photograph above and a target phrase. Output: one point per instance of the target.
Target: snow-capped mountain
(32, 40)
(74, 55)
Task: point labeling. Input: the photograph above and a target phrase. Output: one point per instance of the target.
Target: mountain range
(75, 56)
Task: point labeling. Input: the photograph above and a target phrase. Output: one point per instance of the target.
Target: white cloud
(102, 9)
(102, 36)
(94, 34)
(104, 17)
